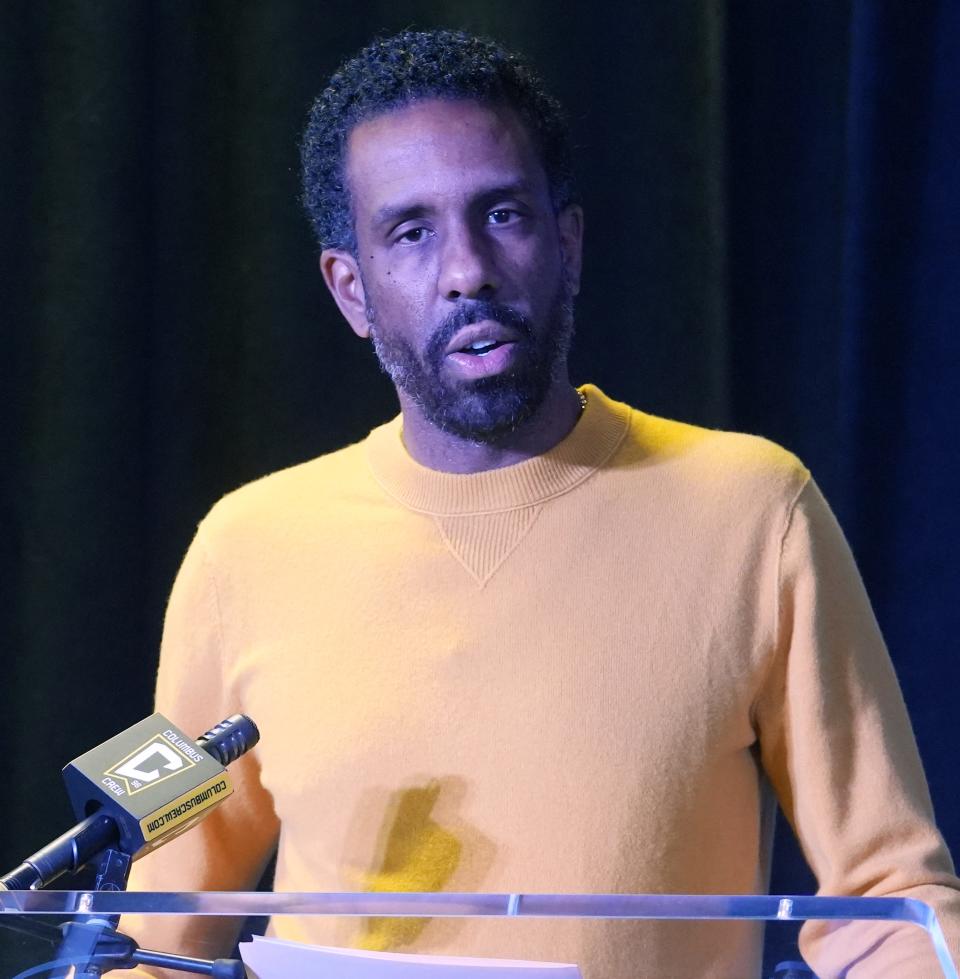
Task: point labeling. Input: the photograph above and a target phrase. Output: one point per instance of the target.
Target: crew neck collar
(591, 442)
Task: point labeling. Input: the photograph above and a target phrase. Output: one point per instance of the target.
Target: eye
(413, 236)
(503, 215)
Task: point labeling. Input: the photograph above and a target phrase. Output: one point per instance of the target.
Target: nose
(466, 266)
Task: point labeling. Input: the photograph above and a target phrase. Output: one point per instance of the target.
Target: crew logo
(149, 765)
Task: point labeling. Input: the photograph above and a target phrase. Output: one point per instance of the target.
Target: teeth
(480, 345)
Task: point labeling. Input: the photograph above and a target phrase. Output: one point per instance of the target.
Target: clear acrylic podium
(854, 938)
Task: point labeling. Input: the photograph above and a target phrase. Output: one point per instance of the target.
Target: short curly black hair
(396, 71)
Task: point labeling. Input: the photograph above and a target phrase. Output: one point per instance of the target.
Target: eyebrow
(395, 213)
(391, 214)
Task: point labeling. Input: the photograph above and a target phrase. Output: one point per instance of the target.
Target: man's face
(467, 275)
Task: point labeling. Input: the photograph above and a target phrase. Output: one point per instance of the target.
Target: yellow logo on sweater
(419, 855)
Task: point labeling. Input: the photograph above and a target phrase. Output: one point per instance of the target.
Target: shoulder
(721, 453)
(725, 467)
(287, 501)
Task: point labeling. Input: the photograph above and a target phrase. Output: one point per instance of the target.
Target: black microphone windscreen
(230, 738)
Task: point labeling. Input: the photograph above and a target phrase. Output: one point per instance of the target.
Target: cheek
(540, 275)
(399, 300)
(534, 254)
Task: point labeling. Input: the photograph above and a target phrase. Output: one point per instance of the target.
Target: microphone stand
(91, 946)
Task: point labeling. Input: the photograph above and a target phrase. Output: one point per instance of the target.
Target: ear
(341, 273)
(570, 227)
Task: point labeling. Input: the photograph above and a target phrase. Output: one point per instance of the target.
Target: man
(524, 637)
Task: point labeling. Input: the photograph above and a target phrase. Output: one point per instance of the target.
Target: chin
(489, 413)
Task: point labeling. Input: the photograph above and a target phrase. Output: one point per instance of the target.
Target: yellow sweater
(568, 675)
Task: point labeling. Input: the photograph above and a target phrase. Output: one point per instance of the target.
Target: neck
(443, 451)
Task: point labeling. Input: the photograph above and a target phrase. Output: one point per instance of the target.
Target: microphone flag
(152, 779)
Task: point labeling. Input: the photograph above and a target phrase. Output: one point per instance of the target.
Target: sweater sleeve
(837, 745)
(229, 849)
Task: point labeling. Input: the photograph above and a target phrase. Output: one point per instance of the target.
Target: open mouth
(481, 348)
(483, 357)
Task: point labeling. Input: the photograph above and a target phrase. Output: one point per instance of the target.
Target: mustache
(475, 311)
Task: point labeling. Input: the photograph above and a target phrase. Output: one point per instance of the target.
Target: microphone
(136, 791)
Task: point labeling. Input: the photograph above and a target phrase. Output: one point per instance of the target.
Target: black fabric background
(772, 199)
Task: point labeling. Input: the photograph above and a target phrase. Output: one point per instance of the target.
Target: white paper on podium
(271, 958)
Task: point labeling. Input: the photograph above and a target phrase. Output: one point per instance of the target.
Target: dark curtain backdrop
(772, 245)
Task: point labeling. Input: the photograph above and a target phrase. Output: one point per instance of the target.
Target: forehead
(439, 149)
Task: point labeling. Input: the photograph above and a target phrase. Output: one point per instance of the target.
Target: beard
(486, 409)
